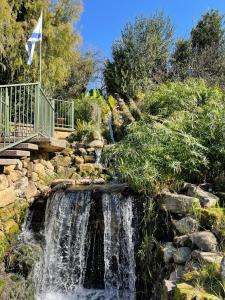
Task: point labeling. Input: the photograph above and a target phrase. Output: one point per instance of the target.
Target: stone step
(49, 144)
(26, 146)
(15, 153)
(8, 161)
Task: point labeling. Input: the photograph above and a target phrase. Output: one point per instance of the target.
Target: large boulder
(204, 240)
(20, 186)
(31, 191)
(186, 225)
(62, 181)
(3, 182)
(178, 203)
(181, 255)
(7, 196)
(207, 257)
(15, 175)
(207, 199)
(168, 250)
(96, 144)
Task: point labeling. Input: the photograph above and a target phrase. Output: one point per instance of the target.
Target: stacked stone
(192, 247)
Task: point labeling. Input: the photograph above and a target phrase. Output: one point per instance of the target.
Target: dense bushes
(91, 112)
(181, 138)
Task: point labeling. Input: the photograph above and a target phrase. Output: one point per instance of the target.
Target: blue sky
(102, 20)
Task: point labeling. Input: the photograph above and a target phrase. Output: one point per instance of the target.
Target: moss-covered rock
(188, 292)
(208, 278)
(4, 245)
(90, 169)
(214, 219)
(23, 259)
(11, 228)
(2, 286)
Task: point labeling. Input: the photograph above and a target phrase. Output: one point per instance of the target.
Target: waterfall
(118, 246)
(98, 155)
(110, 121)
(77, 226)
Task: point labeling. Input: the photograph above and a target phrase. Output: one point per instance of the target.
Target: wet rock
(186, 225)
(205, 241)
(181, 255)
(84, 181)
(98, 181)
(177, 203)
(23, 259)
(3, 182)
(207, 257)
(63, 182)
(207, 199)
(168, 251)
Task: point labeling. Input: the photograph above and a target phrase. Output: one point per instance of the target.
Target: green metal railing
(25, 112)
(64, 114)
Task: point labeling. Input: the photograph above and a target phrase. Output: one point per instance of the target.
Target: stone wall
(33, 177)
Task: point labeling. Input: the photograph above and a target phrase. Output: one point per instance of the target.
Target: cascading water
(89, 247)
(110, 122)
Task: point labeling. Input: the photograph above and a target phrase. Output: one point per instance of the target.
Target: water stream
(89, 247)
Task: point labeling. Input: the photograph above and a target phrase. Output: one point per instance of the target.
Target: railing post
(53, 118)
(72, 115)
(7, 129)
(36, 108)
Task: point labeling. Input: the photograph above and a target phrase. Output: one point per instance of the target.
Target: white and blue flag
(36, 36)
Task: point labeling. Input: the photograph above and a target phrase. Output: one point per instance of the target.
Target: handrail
(18, 84)
(26, 111)
(64, 114)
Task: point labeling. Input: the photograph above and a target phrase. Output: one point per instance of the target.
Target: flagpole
(40, 69)
(40, 58)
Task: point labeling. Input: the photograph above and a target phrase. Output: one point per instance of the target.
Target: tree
(139, 58)
(60, 50)
(181, 59)
(209, 31)
(203, 56)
